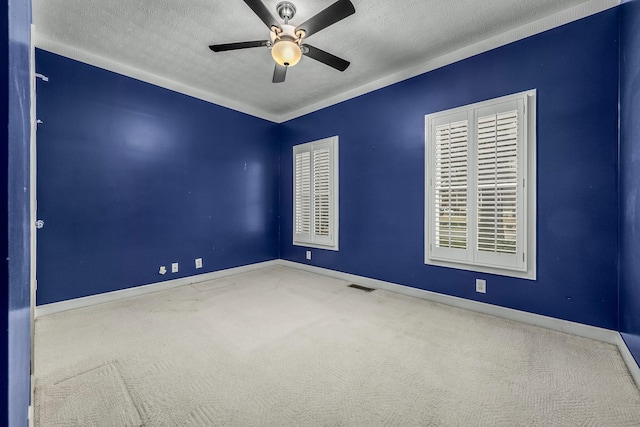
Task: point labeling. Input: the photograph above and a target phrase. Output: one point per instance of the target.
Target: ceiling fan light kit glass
(286, 52)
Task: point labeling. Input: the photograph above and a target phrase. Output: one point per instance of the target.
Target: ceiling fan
(286, 41)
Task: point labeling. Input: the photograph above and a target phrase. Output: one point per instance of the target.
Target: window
(480, 186)
(315, 194)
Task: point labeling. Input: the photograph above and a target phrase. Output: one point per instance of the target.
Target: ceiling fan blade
(326, 58)
(279, 73)
(240, 45)
(332, 14)
(263, 13)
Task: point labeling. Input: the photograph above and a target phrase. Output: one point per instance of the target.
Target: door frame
(33, 206)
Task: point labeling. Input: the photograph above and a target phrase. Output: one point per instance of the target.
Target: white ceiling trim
(145, 76)
(536, 27)
(578, 12)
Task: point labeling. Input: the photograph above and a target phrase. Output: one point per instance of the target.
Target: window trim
(529, 211)
(332, 142)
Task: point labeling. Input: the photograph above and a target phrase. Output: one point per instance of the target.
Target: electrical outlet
(481, 286)
(198, 262)
(308, 254)
(174, 267)
(163, 269)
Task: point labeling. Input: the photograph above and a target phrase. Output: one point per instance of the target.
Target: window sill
(316, 246)
(529, 274)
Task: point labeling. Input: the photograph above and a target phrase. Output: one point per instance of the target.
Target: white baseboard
(56, 307)
(600, 334)
(605, 335)
(579, 329)
(628, 358)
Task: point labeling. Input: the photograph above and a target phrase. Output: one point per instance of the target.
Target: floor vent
(362, 288)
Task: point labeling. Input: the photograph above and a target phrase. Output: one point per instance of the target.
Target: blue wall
(132, 176)
(4, 217)
(575, 70)
(16, 105)
(630, 175)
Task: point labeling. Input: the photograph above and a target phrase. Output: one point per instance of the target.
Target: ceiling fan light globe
(286, 53)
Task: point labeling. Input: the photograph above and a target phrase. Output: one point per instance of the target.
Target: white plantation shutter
(497, 182)
(302, 203)
(316, 194)
(477, 198)
(450, 181)
(321, 191)
(499, 189)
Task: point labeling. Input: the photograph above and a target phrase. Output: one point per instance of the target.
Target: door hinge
(522, 256)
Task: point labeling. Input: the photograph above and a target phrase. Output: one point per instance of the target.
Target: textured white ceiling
(168, 39)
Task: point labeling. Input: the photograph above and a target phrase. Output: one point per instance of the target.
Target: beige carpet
(283, 347)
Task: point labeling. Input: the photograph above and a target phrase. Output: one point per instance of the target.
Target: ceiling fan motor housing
(286, 10)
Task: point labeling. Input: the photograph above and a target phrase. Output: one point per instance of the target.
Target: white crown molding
(561, 18)
(71, 52)
(573, 14)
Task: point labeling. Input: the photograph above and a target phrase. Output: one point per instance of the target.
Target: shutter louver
(451, 180)
(303, 193)
(321, 191)
(316, 197)
(497, 183)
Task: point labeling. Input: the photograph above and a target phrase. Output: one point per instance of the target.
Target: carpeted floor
(283, 347)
